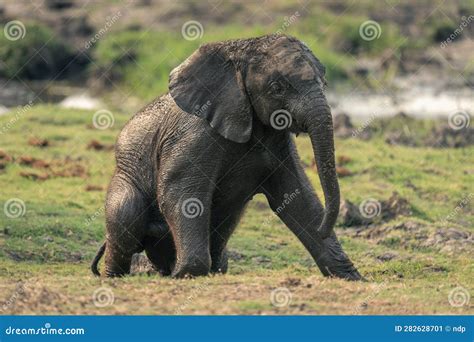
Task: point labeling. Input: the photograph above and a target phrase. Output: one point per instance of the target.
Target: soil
(98, 146)
(411, 234)
(38, 142)
(383, 211)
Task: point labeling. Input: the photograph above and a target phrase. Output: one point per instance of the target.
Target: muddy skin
(188, 163)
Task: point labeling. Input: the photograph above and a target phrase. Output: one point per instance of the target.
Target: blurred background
(382, 57)
(401, 86)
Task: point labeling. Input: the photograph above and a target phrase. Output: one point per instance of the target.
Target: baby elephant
(188, 163)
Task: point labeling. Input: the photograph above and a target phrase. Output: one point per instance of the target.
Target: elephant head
(274, 79)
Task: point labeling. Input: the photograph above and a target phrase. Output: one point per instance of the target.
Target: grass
(49, 248)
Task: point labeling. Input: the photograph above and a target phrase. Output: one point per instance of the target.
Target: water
(419, 100)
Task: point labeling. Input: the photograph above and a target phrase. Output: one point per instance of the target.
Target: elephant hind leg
(126, 221)
(160, 249)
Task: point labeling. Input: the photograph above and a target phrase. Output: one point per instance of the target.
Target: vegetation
(49, 247)
(38, 55)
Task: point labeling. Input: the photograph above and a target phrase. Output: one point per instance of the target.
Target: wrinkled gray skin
(210, 141)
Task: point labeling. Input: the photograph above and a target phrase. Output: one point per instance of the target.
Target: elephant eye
(276, 88)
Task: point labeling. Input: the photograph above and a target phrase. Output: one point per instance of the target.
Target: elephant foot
(220, 263)
(333, 262)
(117, 261)
(346, 273)
(192, 267)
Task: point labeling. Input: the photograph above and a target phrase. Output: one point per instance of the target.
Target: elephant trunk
(320, 130)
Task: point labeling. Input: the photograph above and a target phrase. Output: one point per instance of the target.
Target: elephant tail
(95, 262)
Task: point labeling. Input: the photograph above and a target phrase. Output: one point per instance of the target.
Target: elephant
(188, 163)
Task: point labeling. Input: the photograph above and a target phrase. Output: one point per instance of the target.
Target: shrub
(38, 55)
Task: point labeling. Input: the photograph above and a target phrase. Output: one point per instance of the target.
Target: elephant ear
(209, 86)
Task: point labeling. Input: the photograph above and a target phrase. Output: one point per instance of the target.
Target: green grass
(139, 62)
(51, 246)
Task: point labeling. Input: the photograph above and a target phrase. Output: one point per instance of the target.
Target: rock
(350, 215)
(343, 127)
(395, 206)
(234, 255)
(386, 256)
(446, 136)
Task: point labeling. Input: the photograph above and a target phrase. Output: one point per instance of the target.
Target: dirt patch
(372, 211)
(445, 136)
(343, 171)
(291, 282)
(91, 187)
(32, 298)
(415, 235)
(35, 176)
(67, 167)
(98, 146)
(4, 159)
(386, 256)
(71, 170)
(342, 160)
(38, 142)
(33, 162)
(343, 126)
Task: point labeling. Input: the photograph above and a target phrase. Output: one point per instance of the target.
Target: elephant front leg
(188, 218)
(291, 197)
(223, 222)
